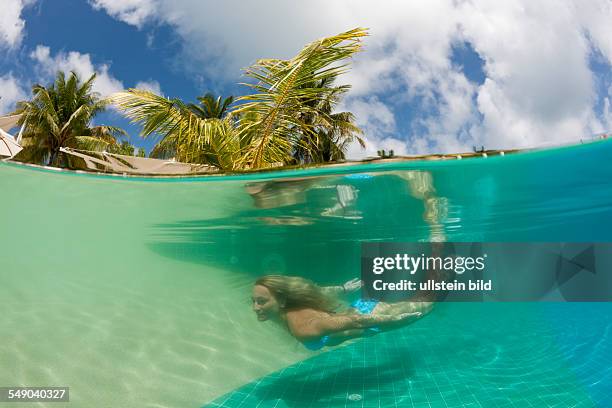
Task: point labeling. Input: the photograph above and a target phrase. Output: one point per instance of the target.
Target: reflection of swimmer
(282, 193)
(287, 220)
(309, 311)
(346, 196)
(285, 192)
(274, 194)
(422, 187)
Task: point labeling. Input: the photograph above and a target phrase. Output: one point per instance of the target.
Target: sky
(433, 76)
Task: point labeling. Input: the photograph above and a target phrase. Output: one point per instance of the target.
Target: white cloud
(377, 121)
(11, 91)
(105, 83)
(133, 12)
(375, 144)
(594, 16)
(48, 66)
(372, 115)
(538, 87)
(150, 85)
(607, 113)
(11, 23)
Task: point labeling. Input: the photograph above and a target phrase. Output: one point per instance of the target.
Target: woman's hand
(348, 287)
(352, 285)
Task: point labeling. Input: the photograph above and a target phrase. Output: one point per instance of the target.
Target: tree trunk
(53, 158)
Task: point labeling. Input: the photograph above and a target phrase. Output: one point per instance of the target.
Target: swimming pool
(135, 292)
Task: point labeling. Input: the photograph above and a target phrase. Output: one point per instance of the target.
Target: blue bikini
(363, 307)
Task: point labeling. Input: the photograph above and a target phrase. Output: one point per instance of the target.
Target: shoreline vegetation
(289, 118)
(311, 166)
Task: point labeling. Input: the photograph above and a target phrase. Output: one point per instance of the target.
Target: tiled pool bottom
(466, 355)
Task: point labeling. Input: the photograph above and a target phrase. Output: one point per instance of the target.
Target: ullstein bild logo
(482, 271)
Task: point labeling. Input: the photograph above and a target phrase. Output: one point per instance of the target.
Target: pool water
(464, 355)
(135, 291)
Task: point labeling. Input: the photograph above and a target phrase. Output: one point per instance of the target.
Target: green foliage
(211, 107)
(331, 132)
(185, 136)
(124, 148)
(385, 155)
(60, 115)
(289, 117)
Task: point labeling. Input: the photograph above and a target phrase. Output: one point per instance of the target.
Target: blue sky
(435, 76)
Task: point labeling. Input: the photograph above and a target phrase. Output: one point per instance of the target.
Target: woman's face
(265, 305)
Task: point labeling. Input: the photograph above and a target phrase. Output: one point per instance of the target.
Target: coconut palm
(184, 135)
(60, 115)
(287, 92)
(265, 128)
(333, 132)
(211, 107)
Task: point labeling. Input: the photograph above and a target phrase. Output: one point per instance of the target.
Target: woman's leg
(422, 306)
(422, 187)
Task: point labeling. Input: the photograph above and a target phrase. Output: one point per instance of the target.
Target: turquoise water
(135, 292)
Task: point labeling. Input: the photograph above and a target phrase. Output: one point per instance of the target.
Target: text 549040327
(34, 394)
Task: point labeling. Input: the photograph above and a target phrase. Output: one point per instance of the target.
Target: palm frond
(90, 143)
(191, 138)
(284, 88)
(105, 131)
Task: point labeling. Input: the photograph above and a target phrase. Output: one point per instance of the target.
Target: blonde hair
(296, 293)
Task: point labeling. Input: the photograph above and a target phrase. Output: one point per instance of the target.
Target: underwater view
(137, 291)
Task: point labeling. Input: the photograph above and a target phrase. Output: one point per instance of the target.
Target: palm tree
(60, 115)
(265, 128)
(333, 132)
(211, 107)
(184, 135)
(287, 92)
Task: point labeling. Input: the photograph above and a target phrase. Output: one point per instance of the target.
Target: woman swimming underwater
(309, 311)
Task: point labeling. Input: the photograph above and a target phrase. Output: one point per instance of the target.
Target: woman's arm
(348, 287)
(333, 291)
